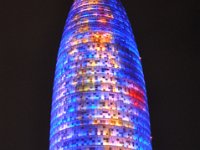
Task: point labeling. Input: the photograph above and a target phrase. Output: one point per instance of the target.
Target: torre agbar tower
(99, 96)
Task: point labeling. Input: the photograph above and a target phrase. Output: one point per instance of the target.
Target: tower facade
(99, 96)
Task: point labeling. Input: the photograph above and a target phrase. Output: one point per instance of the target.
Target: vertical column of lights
(99, 97)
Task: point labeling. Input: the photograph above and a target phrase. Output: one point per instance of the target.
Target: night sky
(167, 34)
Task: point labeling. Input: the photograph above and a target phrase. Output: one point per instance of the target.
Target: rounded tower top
(99, 96)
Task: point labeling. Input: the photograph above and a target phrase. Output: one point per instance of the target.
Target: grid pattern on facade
(99, 96)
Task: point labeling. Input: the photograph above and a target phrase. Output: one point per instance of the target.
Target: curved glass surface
(99, 96)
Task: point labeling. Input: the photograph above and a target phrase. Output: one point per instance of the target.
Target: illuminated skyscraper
(99, 96)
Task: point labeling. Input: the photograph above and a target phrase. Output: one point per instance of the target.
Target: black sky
(167, 33)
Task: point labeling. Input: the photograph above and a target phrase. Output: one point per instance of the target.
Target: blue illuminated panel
(99, 96)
